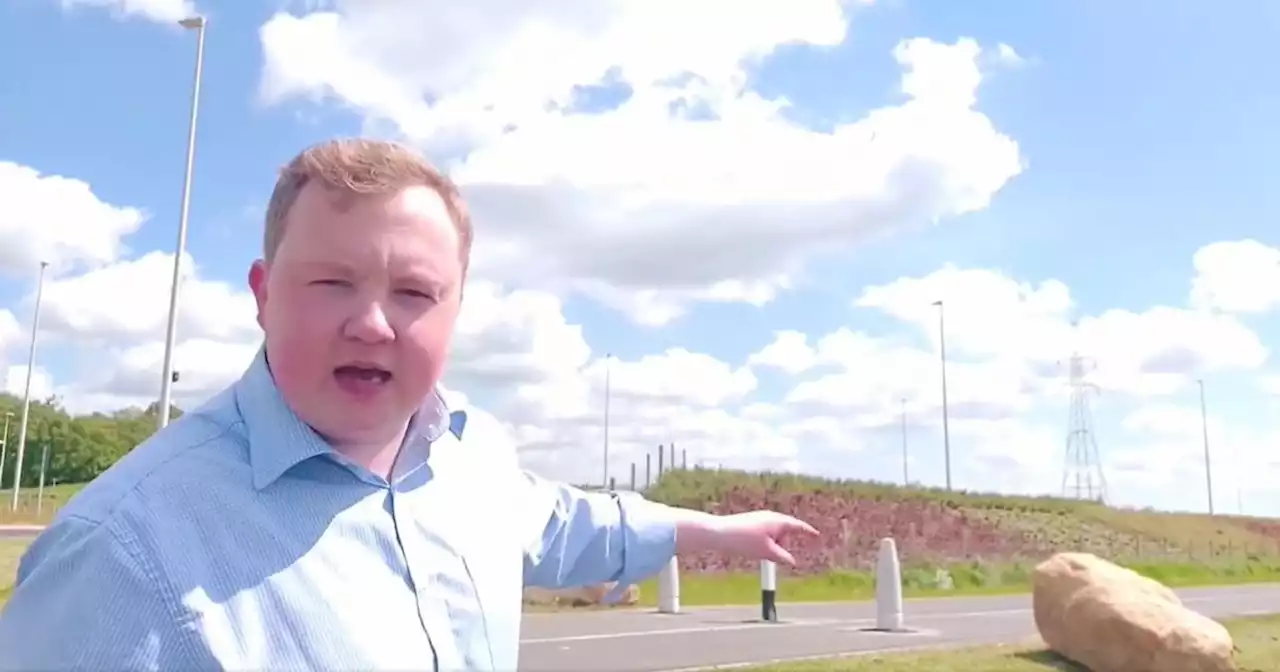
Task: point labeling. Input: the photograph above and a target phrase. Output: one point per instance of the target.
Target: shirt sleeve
(595, 537)
(84, 601)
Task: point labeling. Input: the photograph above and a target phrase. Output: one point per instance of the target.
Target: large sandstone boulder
(1111, 619)
(582, 596)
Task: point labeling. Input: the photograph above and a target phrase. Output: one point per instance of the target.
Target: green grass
(1258, 641)
(30, 511)
(10, 553)
(968, 580)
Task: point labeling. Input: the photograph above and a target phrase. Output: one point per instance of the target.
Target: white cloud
(59, 220)
(1163, 457)
(695, 189)
(10, 333)
(161, 11)
(15, 382)
(1008, 55)
(1270, 385)
(646, 207)
(1240, 276)
(989, 315)
(129, 301)
(789, 352)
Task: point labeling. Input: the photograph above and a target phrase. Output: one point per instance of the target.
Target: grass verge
(1257, 638)
(967, 579)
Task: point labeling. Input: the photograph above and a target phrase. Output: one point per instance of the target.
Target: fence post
(662, 453)
(633, 476)
(648, 471)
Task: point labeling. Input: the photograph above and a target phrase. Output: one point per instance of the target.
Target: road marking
(845, 623)
(815, 622)
(686, 631)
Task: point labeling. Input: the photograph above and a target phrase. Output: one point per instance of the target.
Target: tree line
(79, 447)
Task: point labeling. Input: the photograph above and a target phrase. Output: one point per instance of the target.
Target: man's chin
(361, 425)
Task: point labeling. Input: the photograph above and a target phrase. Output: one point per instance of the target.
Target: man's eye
(330, 282)
(418, 294)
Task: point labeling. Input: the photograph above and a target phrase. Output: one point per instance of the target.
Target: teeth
(365, 374)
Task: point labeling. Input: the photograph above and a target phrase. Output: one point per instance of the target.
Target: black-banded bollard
(769, 591)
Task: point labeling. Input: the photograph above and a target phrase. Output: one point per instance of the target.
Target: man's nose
(369, 324)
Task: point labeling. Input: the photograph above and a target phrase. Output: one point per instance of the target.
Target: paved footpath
(701, 638)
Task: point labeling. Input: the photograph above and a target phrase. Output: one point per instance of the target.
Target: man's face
(358, 307)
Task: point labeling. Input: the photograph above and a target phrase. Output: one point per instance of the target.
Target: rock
(1111, 619)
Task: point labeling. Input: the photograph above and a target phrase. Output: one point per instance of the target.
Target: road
(645, 641)
(20, 531)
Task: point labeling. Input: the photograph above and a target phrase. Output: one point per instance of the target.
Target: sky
(735, 217)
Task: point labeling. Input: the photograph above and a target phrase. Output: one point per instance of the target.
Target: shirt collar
(279, 439)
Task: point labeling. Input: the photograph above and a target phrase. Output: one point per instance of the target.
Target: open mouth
(362, 374)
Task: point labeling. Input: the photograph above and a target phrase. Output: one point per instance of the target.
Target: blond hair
(361, 166)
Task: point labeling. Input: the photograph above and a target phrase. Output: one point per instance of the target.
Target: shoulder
(89, 578)
(206, 444)
(103, 567)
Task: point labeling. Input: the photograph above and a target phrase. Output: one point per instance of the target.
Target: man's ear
(258, 285)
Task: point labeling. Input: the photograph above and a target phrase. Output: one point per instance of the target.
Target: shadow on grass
(1050, 660)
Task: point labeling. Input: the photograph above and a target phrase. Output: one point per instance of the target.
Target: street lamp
(44, 466)
(26, 393)
(946, 428)
(906, 476)
(4, 442)
(196, 23)
(608, 366)
(1204, 425)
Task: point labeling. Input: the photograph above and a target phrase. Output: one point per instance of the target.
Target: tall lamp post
(196, 23)
(608, 370)
(26, 393)
(1204, 426)
(906, 475)
(4, 442)
(946, 428)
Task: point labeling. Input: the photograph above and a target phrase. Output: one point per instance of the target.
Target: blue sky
(1146, 131)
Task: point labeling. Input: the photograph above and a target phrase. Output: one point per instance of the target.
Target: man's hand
(754, 535)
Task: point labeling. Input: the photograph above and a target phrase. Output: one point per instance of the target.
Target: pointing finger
(801, 526)
(779, 554)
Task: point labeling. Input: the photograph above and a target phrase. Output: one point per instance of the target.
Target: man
(327, 511)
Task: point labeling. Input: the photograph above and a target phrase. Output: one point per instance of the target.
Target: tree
(80, 447)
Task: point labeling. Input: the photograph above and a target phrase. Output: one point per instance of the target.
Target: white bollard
(669, 587)
(888, 587)
(769, 590)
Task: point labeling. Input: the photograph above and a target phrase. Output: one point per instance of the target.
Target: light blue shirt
(236, 538)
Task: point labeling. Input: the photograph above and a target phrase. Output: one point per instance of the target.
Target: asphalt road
(700, 638)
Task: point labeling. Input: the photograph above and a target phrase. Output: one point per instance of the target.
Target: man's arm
(594, 537)
(84, 601)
